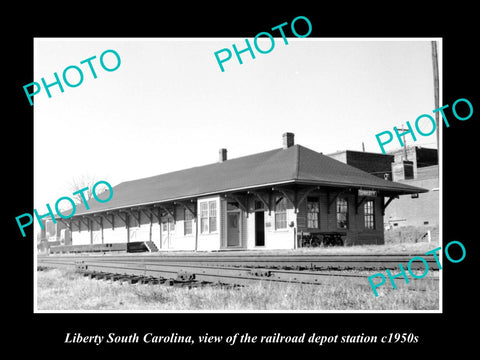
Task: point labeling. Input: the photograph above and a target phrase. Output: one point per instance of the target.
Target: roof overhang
(395, 190)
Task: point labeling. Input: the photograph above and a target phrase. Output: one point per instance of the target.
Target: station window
(342, 213)
(188, 222)
(369, 210)
(168, 225)
(212, 205)
(280, 213)
(204, 217)
(313, 212)
(208, 216)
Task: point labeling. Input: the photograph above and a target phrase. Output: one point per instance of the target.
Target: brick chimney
(222, 155)
(288, 140)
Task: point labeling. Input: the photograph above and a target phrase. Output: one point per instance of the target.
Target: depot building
(269, 200)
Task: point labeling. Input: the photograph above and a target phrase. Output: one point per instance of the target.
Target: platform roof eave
(391, 189)
(178, 198)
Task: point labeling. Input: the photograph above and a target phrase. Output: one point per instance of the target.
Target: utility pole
(436, 93)
(402, 130)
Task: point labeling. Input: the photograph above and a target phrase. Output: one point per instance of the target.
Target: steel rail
(207, 274)
(271, 261)
(200, 272)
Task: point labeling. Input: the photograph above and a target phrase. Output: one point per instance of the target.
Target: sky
(169, 106)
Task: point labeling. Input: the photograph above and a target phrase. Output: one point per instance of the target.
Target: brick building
(419, 211)
(373, 163)
(419, 157)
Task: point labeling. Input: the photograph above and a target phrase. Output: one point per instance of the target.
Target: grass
(410, 234)
(61, 289)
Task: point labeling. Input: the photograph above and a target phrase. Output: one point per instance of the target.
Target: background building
(416, 166)
(53, 234)
(373, 163)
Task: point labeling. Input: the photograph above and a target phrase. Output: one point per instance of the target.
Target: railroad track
(238, 269)
(284, 261)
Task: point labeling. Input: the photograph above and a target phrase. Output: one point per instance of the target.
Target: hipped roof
(296, 164)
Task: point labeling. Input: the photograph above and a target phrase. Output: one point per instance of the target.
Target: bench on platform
(318, 238)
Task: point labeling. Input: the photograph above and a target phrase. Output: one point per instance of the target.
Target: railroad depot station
(285, 198)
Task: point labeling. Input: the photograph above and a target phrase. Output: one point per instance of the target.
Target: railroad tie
(260, 272)
(102, 276)
(116, 277)
(185, 276)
